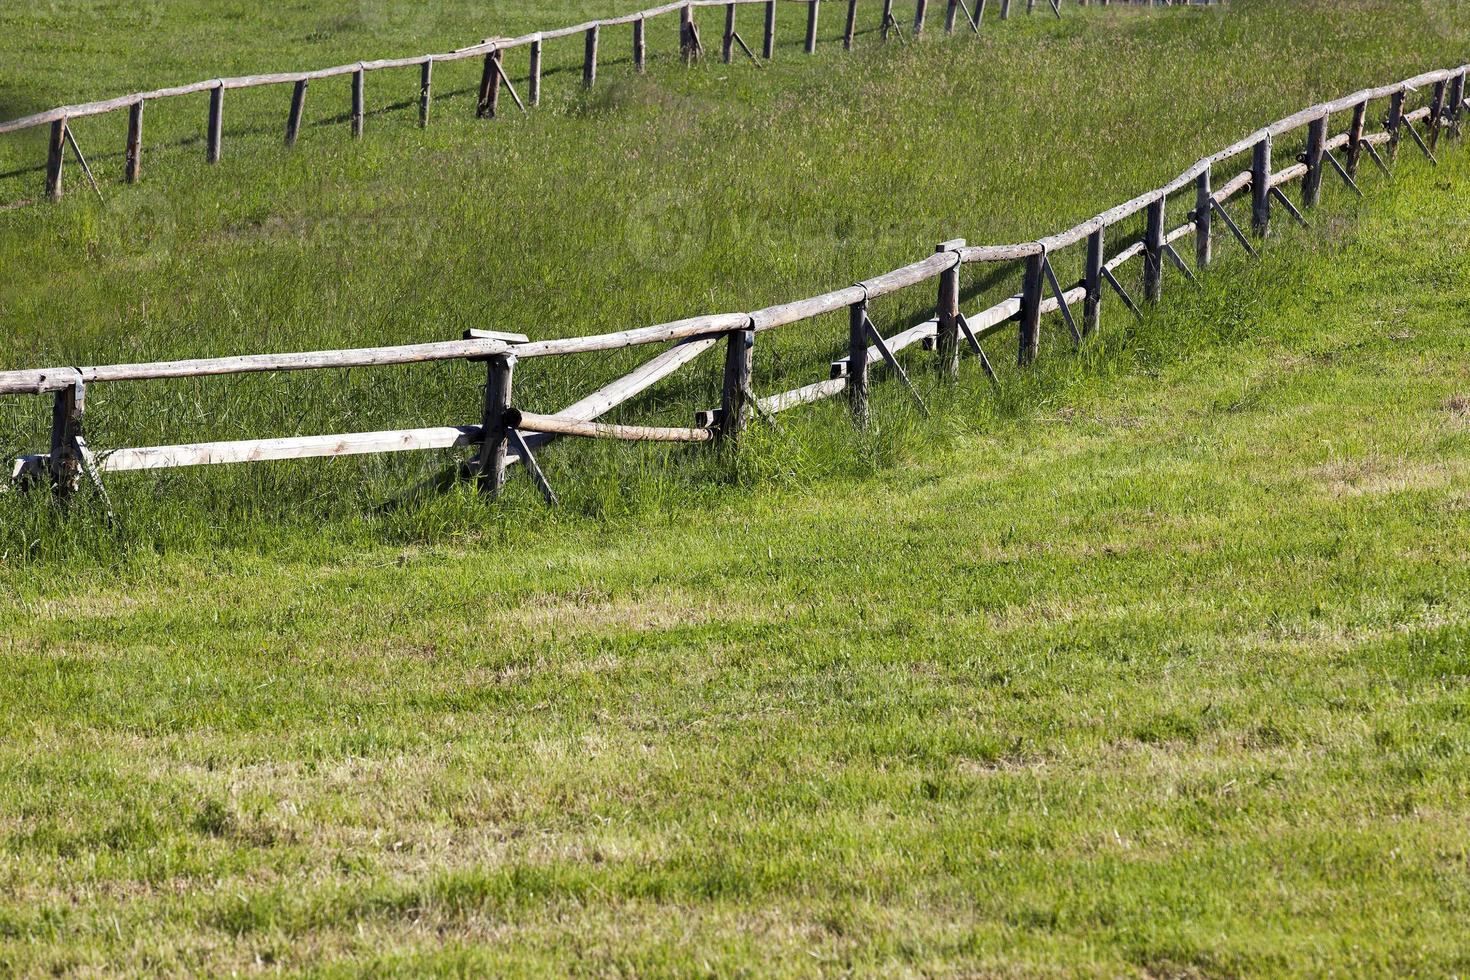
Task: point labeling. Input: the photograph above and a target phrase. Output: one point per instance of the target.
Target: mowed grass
(1154, 663)
(1166, 676)
(647, 200)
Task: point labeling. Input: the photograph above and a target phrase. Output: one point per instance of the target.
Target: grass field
(1156, 664)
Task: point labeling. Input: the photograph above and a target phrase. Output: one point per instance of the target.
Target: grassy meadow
(1153, 663)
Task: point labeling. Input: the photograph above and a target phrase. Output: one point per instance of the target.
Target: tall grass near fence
(528, 245)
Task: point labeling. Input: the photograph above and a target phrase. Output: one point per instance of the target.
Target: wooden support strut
(974, 342)
(1060, 294)
(887, 354)
(523, 450)
(1112, 280)
(1234, 228)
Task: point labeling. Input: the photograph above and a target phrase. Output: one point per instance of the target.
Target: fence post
(850, 28)
(1436, 113)
(1153, 252)
(359, 81)
(739, 360)
(1092, 281)
(727, 44)
(640, 46)
(768, 40)
(887, 18)
(298, 109)
(686, 33)
(489, 99)
(857, 361)
(1005, 9)
(426, 90)
(1204, 248)
(533, 84)
(1457, 103)
(921, 9)
(216, 124)
(1030, 327)
(499, 376)
(55, 155)
(1312, 180)
(812, 9)
(66, 428)
(1394, 123)
(133, 157)
(1355, 139)
(1261, 187)
(947, 311)
(589, 58)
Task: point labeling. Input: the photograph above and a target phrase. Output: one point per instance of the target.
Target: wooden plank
(133, 154)
(295, 447)
(34, 382)
(564, 426)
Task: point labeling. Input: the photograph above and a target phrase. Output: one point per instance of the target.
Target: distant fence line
(506, 434)
(493, 76)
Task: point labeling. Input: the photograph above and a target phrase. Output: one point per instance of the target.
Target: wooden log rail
(494, 77)
(508, 435)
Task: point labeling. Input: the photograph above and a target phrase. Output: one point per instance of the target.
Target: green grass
(1155, 663)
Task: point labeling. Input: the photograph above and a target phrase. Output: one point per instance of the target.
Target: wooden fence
(506, 434)
(493, 77)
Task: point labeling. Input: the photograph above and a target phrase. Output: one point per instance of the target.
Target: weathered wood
(656, 334)
(564, 426)
(293, 447)
(947, 311)
(686, 34)
(1030, 331)
(499, 379)
(768, 35)
(44, 380)
(739, 363)
(1234, 228)
(813, 8)
(1316, 146)
(359, 103)
(1456, 107)
(1342, 172)
(640, 46)
(887, 354)
(1204, 246)
(727, 42)
(55, 157)
(1394, 123)
(887, 19)
(589, 58)
(849, 29)
(1153, 253)
(1290, 208)
(66, 429)
(215, 131)
(950, 13)
(528, 459)
(487, 103)
(857, 362)
(533, 81)
(426, 91)
(1005, 9)
(133, 155)
(76, 150)
(1062, 299)
(1092, 282)
(1261, 186)
(1355, 138)
(298, 109)
(921, 11)
(1436, 112)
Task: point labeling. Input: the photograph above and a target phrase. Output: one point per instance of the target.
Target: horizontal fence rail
(507, 434)
(494, 77)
